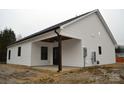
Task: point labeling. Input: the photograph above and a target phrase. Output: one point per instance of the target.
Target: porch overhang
(59, 40)
(55, 39)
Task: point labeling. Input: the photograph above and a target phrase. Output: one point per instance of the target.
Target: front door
(55, 55)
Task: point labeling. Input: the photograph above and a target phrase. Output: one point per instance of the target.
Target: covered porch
(57, 51)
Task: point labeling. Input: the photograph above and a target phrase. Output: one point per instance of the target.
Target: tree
(7, 36)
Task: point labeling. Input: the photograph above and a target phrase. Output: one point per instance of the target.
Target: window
(9, 55)
(100, 50)
(44, 53)
(19, 51)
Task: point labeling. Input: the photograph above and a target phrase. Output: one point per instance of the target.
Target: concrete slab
(55, 68)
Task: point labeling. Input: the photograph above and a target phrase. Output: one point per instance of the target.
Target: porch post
(60, 52)
(59, 37)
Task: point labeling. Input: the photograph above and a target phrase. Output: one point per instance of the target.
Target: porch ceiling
(53, 39)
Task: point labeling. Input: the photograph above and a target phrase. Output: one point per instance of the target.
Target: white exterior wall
(71, 53)
(29, 51)
(36, 54)
(24, 59)
(92, 34)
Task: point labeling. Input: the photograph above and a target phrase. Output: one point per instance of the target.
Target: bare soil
(107, 74)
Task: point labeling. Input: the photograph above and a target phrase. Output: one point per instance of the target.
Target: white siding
(43, 36)
(24, 59)
(71, 53)
(36, 54)
(92, 34)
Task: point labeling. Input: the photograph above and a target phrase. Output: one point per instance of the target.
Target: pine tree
(7, 36)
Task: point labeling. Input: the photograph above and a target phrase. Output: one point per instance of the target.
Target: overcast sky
(26, 22)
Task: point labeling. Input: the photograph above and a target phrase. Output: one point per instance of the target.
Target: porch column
(59, 37)
(60, 52)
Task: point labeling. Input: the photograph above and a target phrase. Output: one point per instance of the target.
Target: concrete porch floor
(55, 68)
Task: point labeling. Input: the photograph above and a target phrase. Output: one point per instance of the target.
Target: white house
(81, 41)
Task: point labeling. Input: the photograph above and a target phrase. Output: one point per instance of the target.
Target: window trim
(44, 53)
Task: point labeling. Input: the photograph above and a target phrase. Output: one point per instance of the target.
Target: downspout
(60, 51)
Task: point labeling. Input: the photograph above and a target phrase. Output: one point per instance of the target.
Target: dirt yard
(108, 74)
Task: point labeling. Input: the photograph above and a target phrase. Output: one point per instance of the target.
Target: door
(55, 55)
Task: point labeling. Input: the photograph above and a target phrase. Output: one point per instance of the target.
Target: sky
(27, 21)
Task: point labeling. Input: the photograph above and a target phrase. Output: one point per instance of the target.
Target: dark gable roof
(49, 28)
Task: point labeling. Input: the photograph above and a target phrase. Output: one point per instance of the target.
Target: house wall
(71, 53)
(29, 51)
(36, 54)
(92, 34)
(24, 59)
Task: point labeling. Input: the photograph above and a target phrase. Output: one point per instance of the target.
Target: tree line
(7, 36)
